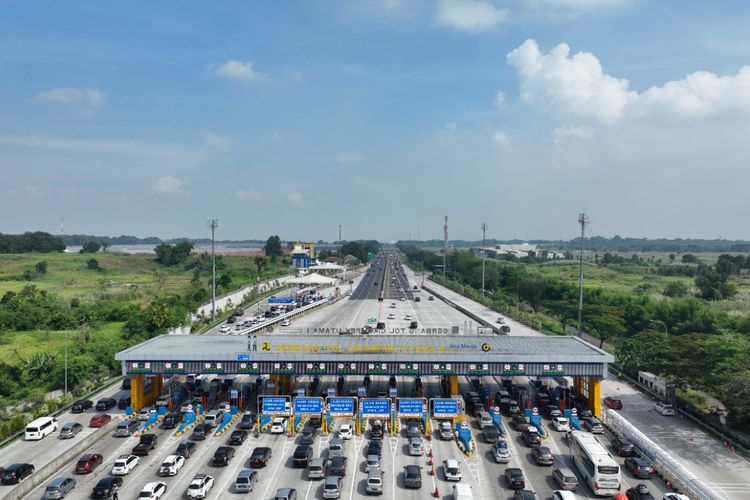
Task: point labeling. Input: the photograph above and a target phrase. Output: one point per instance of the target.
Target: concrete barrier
(44, 473)
(468, 313)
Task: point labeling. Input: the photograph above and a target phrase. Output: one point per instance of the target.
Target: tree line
(38, 241)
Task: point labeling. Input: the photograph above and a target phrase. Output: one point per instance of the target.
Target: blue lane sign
(341, 407)
(274, 406)
(410, 407)
(243, 357)
(376, 407)
(281, 300)
(308, 406)
(444, 408)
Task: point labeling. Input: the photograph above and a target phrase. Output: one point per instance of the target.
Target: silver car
(245, 481)
(59, 488)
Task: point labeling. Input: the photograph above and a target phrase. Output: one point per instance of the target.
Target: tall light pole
(484, 252)
(445, 246)
(213, 224)
(583, 219)
(65, 393)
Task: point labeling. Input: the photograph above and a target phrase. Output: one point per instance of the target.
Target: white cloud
(249, 194)
(91, 96)
(582, 5)
(577, 85)
(501, 138)
(168, 185)
(499, 99)
(33, 191)
(451, 126)
(575, 131)
(470, 15)
(215, 141)
(238, 70)
(351, 158)
(296, 199)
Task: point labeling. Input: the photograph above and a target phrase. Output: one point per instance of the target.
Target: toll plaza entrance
(283, 357)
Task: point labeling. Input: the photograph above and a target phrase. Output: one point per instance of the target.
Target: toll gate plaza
(284, 357)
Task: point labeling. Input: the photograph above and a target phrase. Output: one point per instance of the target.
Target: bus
(596, 465)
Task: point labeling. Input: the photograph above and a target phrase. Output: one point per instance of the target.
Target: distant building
(518, 251)
(303, 255)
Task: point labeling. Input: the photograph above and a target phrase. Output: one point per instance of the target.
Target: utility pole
(339, 234)
(65, 393)
(213, 224)
(583, 219)
(484, 252)
(445, 246)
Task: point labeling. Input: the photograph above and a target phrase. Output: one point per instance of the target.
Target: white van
(485, 420)
(40, 427)
(665, 409)
(462, 491)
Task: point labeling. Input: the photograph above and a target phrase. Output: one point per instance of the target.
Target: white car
(452, 470)
(199, 486)
(501, 320)
(407, 317)
(153, 491)
(416, 448)
(392, 316)
(286, 322)
(345, 431)
(563, 495)
(124, 464)
(501, 452)
(561, 424)
(144, 414)
(674, 496)
(279, 425)
(403, 299)
(393, 305)
(171, 465)
(665, 409)
(225, 329)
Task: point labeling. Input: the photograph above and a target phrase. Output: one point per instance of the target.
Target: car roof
(57, 481)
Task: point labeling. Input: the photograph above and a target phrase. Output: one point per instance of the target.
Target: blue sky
(291, 118)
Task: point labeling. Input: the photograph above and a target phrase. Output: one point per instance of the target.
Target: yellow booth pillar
(453, 381)
(137, 396)
(595, 395)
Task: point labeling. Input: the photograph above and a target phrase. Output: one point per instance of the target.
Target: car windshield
(608, 469)
(195, 486)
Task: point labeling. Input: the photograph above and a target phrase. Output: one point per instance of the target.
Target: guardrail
(670, 469)
(281, 317)
(465, 311)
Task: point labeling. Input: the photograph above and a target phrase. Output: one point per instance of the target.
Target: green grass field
(128, 278)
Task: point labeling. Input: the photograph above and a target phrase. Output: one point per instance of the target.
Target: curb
(229, 424)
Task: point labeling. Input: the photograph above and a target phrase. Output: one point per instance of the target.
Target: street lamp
(660, 322)
(65, 393)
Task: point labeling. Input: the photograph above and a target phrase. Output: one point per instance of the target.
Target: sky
(382, 116)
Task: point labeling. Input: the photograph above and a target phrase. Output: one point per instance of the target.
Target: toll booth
(339, 407)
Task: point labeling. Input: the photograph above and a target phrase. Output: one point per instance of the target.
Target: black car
(639, 467)
(376, 430)
(105, 404)
(519, 423)
(201, 431)
(231, 319)
(514, 478)
(222, 456)
(247, 421)
(639, 492)
(532, 439)
(106, 487)
(123, 403)
(237, 437)
(172, 420)
(542, 455)
(146, 444)
(17, 473)
(316, 422)
(307, 436)
(302, 455)
(374, 448)
(337, 466)
(185, 449)
(260, 457)
(413, 476)
(623, 447)
(82, 405)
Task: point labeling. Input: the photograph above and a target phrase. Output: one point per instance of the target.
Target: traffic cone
(431, 471)
(436, 493)
(429, 461)
(430, 453)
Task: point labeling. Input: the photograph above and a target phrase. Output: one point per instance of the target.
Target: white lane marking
(357, 447)
(278, 466)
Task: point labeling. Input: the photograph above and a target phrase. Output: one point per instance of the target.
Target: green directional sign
(372, 320)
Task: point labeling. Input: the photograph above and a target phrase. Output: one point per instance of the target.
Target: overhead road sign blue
(444, 408)
(341, 407)
(274, 405)
(308, 406)
(281, 300)
(410, 407)
(376, 408)
(243, 357)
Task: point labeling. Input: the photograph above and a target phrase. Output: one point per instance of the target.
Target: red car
(99, 420)
(87, 463)
(613, 403)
